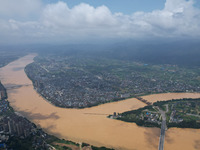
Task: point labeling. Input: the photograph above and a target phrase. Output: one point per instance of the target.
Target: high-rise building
(9, 127)
(2, 94)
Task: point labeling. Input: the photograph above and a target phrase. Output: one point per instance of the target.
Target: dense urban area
(82, 81)
(182, 113)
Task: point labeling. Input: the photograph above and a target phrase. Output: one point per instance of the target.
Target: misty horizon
(64, 22)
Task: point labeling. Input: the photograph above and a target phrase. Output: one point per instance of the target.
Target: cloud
(20, 9)
(57, 22)
(82, 20)
(178, 18)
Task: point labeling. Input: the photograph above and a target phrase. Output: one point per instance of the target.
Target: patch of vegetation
(139, 116)
(58, 147)
(101, 148)
(182, 113)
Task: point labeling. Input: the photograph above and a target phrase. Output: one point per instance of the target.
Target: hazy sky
(69, 21)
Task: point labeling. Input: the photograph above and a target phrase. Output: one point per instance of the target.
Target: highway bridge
(163, 124)
(11, 87)
(143, 100)
(163, 129)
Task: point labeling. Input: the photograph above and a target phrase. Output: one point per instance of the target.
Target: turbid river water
(91, 124)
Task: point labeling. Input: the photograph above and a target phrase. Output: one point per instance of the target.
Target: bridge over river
(163, 129)
(11, 86)
(163, 124)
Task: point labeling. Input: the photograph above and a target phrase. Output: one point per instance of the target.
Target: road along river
(91, 124)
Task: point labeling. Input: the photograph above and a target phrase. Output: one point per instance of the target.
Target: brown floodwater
(91, 125)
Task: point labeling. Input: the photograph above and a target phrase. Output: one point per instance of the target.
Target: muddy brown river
(91, 125)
